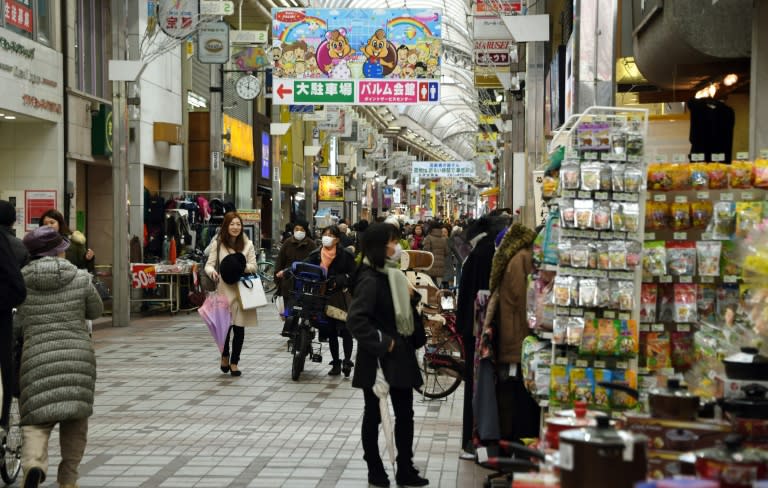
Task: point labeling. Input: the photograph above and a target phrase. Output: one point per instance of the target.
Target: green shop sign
(101, 131)
(15, 47)
(319, 92)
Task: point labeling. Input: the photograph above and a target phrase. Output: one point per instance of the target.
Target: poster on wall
(373, 56)
(330, 188)
(36, 202)
(265, 155)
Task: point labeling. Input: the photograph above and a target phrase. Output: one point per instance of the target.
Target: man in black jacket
(14, 292)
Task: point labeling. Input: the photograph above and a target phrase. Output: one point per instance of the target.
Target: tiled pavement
(165, 416)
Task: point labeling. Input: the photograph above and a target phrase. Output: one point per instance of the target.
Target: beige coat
(438, 246)
(243, 318)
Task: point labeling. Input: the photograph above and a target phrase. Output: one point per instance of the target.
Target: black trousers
(339, 329)
(468, 421)
(238, 338)
(402, 403)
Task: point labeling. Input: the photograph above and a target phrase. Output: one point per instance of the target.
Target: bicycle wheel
(10, 465)
(440, 363)
(266, 270)
(300, 351)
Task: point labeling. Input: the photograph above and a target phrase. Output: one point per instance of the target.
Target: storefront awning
(490, 192)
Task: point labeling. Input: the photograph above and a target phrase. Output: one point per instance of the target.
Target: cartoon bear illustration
(378, 56)
(339, 51)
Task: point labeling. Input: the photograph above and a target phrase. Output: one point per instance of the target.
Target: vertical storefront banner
(18, 13)
(265, 159)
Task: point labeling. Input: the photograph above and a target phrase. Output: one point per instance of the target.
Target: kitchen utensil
(673, 402)
(731, 464)
(747, 364)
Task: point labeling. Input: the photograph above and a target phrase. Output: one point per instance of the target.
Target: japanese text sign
(143, 276)
(18, 13)
(443, 169)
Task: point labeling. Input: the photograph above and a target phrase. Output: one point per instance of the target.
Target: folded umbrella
(381, 390)
(217, 316)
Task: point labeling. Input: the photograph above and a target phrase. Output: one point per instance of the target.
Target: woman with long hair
(78, 252)
(231, 240)
(383, 319)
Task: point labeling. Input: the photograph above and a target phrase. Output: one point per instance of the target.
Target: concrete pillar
(758, 106)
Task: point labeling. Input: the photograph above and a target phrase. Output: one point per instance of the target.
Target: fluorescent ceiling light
(10, 117)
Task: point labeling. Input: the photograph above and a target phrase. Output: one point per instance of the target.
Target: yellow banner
(240, 143)
(433, 197)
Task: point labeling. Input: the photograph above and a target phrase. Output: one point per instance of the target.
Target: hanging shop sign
(490, 27)
(357, 43)
(492, 52)
(330, 188)
(249, 58)
(240, 143)
(18, 13)
(143, 276)
(36, 203)
(504, 7)
(178, 18)
(443, 169)
(356, 92)
(213, 43)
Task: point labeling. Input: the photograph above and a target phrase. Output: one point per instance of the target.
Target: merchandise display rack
(599, 138)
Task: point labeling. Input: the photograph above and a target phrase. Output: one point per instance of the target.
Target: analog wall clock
(248, 87)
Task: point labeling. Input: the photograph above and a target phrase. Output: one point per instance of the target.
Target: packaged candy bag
(705, 302)
(631, 216)
(730, 264)
(602, 398)
(681, 345)
(633, 179)
(685, 303)
(559, 386)
(740, 174)
(627, 344)
(699, 176)
(761, 173)
(718, 176)
(656, 215)
(584, 213)
(607, 336)
(590, 176)
(655, 258)
(582, 385)
(681, 258)
(708, 257)
(589, 338)
(575, 331)
(658, 351)
(723, 220)
(649, 297)
(701, 214)
(680, 216)
(620, 399)
(569, 176)
(748, 215)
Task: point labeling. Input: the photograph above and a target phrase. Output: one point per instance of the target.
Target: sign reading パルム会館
(443, 169)
(356, 56)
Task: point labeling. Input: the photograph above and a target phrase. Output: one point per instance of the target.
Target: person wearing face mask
(294, 248)
(383, 319)
(339, 265)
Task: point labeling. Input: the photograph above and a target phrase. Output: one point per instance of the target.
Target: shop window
(94, 46)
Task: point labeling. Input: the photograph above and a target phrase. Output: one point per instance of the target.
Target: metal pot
(731, 465)
(559, 423)
(673, 402)
(746, 365)
(754, 405)
(601, 456)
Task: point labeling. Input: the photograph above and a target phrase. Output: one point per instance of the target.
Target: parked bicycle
(10, 447)
(265, 269)
(441, 359)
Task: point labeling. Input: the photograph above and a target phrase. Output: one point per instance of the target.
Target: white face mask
(327, 241)
(398, 252)
(299, 235)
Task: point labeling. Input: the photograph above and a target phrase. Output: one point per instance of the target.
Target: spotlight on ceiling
(730, 79)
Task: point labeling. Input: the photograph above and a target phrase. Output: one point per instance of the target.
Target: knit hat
(7, 213)
(232, 268)
(45, 241)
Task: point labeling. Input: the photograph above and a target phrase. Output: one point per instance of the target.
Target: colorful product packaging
(649, 296)
(681, 258)
(658, 351)
(708, 257)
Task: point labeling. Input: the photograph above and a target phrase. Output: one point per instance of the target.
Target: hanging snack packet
(680, 176)
(617, 255)
(681, 345)
(588, 293)
(569, 176)
(631, 214)
(681, 258)
(620, 399)
(628, 339)
(708, 257)
(727, 298)
(658, 179)
(603, 259)
(705, 302)
(718, 176)
(602, 399)
(590, 176)
(602, 216)
(699, 176)
(701, 214)
(575, 331)
(724, 220)
(656, 215)
(657, 351)
(617, 216)
(603, 292)
(580, 255)
(633, 179)
(606, 175)
(730, 264)
(617, 177)
(666, 308)
(589, 338)
(685, 303)
(564, 291)
(559, 330)
(748, 215)
(584, 212)
(649, 296)
(761, 173)
(549, 186)
(625, 294)
(654, 258)
(607, 336)
(582, 384)
(634, 254)
(559, 388)
(740, 174)
(564, 252)
(680, 216)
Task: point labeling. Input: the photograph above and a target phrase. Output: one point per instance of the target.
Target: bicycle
(265, 269)
(10, 446)
(307, 312)
(442, 359)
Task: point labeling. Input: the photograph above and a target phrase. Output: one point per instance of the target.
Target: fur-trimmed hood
(77, 237)
(517, 237)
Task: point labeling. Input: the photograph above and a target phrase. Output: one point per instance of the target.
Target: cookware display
(673, 402)
(601, 456)
(747, 364)
(731, 464)
(579, 417)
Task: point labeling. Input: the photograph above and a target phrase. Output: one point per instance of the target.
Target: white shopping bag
(251, 292)
(280, 306)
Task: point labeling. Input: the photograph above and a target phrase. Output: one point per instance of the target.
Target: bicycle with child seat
(442, 359)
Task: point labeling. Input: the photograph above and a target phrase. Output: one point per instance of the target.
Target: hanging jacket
(58, 364)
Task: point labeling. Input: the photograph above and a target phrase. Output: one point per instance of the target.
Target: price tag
(600, 364)
(678, 158)
(601, 195)
(665, 279)
(589, 315)
(661, 158)
(707, 279)
(569, 193)
(702, 195)
(590, 155)
(763, 153)
(609, 314)
(657, 328)
(747, 195)
(742, 155)
(577, 312)
(680, 236)
(726, 197)
(683, 327)
(681, 199)
(697, 157)
(660, 197)
(585, 195)
(624, 316)
(622, 365)
(730, 279)
(143, 276)
(645, 328)
(650, 236)
(561, 361)
(582, 363)
(706, 236)
(686, 279)
(718, 157)
(644, 371)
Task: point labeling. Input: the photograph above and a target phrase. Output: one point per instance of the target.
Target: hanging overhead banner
(503, 7)
(178, 18)
(379, 56)
(443, 169)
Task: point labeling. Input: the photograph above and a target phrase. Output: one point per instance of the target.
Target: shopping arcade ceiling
(446, 130)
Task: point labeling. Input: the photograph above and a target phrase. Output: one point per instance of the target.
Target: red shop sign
(143, 276)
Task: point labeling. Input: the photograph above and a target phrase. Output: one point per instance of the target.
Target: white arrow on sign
(209, 7)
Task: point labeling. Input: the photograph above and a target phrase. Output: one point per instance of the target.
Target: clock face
(248, 87)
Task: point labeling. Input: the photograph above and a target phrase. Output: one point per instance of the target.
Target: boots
(346, 367)
(377, 475)
(409, 476)
(33, 477)
(335, 368)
